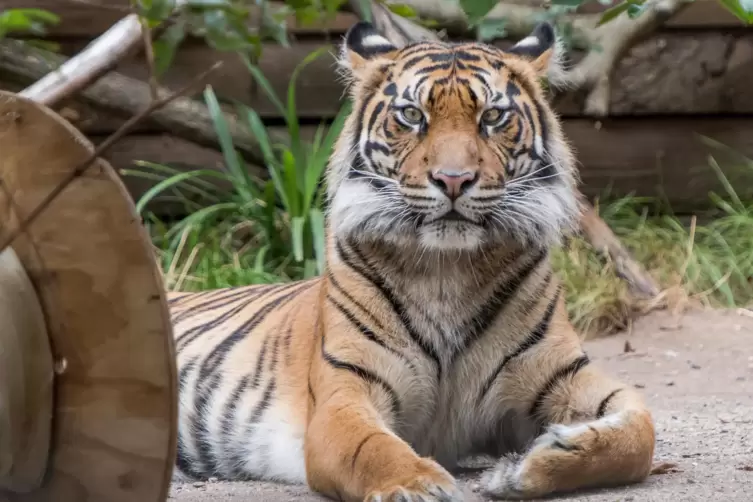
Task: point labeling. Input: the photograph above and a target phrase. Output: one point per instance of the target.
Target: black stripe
(602, 410)
(366, 375)
(209, 379)
(182, 461)
(500, 297)
(360, 447)
(215, 301)
(568, 371)
(372, 318)
(192, 334)
(537, 334)
(260, 363)
(256, 415)
(311, 393)
(175, 300)
(222, 349)
(288, 337)
(397, 306)
(229, 418)
(205, 389)
(364, 330)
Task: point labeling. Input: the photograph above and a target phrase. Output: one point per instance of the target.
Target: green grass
(256, 230)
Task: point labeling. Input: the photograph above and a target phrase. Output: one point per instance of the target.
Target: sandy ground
(697, 374)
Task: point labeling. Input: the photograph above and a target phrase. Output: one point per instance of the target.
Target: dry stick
(107, 143)
(401, 31)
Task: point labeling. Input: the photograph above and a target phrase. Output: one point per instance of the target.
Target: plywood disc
(90, 261)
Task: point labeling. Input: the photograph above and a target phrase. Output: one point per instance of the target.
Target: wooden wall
(686, 81)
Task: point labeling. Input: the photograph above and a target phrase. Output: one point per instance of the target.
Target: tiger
(438, 330)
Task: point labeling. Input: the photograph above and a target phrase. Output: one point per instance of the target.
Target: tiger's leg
(601, 434)
(351, 451)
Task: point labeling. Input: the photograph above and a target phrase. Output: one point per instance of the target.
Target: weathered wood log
(185, 116)
(666, 74)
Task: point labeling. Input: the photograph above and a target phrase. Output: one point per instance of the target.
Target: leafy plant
(25, 21)
(224, 24)
(277, 221)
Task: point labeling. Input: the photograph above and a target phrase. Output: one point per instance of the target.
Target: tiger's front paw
(428, 482)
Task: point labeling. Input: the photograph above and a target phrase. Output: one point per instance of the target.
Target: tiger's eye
(412, 114)
(492, 115)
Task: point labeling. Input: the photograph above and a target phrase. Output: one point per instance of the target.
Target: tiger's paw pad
(437, 486)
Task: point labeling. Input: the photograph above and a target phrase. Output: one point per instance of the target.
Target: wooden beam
(679, 73)
(663, 158)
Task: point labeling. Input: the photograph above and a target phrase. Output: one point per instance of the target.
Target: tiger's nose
(453, 183)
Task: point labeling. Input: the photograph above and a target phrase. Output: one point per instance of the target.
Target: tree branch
(614, 39)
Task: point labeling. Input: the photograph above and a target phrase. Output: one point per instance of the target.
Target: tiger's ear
(363, 43)
(542, 50)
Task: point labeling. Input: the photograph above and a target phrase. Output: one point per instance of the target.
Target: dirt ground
(697, 374)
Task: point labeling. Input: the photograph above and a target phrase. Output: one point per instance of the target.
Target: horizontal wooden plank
(662, 157)
(679, 73)
(89, 18)
(644, 157)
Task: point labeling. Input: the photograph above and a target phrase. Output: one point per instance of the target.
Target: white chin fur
(451, 236)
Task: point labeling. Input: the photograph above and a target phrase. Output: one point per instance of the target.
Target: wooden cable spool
(88, 397)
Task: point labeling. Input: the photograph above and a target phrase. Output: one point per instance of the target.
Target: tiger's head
(451, 146)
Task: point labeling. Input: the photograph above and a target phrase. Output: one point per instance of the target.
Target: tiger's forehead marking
(427, 72)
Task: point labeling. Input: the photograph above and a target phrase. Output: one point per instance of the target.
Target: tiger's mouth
(453, 215)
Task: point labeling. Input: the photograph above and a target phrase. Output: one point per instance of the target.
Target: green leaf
(490, 29)
(292, 112)
(264, 84)
(613, 12)
(166, 46)
(475, 10)
(366, 10)
(164, 185)
(319, 235)
(742, 9)
(402, 10)
(233, 161)
(26, 21)
(156, 10)
(297, 224)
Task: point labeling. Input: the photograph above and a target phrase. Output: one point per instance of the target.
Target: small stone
(670, 384)
(198, 484)
(213, 480)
